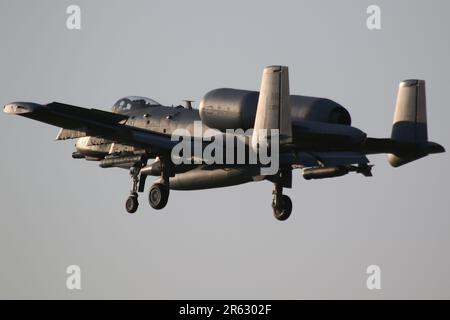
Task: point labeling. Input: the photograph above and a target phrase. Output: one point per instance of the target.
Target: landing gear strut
(281, 203)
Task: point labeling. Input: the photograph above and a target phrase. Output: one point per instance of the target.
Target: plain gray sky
(221, 243)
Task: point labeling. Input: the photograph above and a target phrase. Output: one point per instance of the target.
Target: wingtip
(20, 107)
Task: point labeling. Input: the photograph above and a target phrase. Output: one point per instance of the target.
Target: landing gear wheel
(132, 203)
(158, 196)
(282, 210)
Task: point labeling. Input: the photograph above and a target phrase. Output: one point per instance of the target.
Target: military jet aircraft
(314, 135)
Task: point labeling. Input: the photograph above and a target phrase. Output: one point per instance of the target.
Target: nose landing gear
(132, 204)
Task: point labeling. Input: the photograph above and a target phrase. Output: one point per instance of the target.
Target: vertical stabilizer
(274, 110)
(410, 121)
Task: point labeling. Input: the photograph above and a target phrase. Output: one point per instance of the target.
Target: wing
(79, 121)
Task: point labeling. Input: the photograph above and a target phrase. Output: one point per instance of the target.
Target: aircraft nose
(20, 107)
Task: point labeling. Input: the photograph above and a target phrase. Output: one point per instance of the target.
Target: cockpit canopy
(133, 103)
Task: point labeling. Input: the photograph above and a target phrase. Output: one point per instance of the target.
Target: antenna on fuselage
(188, 103)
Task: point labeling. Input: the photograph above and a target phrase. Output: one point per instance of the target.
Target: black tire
(158, 196)
(132, 204)
(283, 211)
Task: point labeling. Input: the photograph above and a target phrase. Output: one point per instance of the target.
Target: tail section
(410, 118)
(410, 124)
(274, 110)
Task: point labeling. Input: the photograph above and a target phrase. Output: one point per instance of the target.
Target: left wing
(91, 122)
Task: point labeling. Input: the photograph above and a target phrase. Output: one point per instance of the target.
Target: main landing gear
(281, 203)
(158, 194)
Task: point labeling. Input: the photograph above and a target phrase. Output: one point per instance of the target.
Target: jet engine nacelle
(232, 109)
